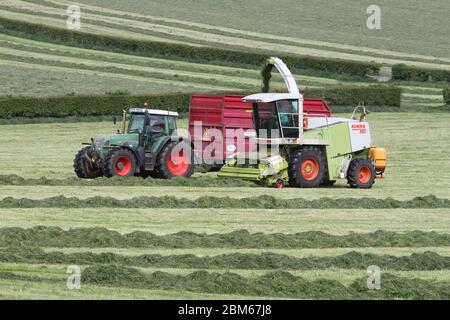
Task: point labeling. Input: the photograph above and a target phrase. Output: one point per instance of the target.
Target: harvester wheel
(119, 162)
(361, 174)
(307, 167)
(175, 162)
(83, 167)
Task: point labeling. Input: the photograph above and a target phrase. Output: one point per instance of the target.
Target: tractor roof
(153, 111)
(271, 97)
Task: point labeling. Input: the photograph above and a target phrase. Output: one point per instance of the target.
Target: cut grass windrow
(200, 181)
(275, 284)
(260, 202)
(42, 236)
(264, 261)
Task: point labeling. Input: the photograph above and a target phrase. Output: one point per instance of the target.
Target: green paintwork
(105, 143)
(262, 172)
(156, 143)
(338, 146)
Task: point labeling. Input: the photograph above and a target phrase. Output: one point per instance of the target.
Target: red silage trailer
(224, 114)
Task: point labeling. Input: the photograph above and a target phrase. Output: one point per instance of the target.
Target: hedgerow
(89, 105)
(376, 95)
(113, 104)
(404, 72)
(49, 236)
(446, 94)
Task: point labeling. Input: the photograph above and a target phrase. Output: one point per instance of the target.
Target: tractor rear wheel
(119, 162)
(307, 167)
(361, 174)
(83, 166)
(174, 161)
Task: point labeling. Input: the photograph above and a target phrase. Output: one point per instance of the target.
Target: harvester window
(288, 115)
(266, 118)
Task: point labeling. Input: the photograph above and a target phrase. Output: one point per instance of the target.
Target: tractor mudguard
(160, 143)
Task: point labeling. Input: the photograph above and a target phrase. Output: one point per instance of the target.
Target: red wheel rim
(178, 164)
(364, 174)
(309, 169)
(122, 166)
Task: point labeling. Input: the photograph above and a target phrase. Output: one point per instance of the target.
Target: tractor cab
(151, 122)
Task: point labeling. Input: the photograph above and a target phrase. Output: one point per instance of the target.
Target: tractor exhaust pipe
(124, 121)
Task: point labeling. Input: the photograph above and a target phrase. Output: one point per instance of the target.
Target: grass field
(408, 176)
(236, 29)
(409, 161)
(31, 67)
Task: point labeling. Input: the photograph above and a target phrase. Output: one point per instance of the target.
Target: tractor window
(136, 123)
(172, 125)
(157, 124)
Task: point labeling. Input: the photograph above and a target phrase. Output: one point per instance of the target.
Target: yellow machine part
(379, 155)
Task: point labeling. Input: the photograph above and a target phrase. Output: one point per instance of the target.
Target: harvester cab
(147, 144)
(306, 150)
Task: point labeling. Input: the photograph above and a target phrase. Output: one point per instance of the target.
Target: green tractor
(147, 146)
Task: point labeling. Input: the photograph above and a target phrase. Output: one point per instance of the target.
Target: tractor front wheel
(307, 167)
(83, 166)
(175, 160)
(119, 162)
(361, 174)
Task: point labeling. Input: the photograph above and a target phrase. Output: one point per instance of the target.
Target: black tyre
(154, 174)
(328, 183)
(307, 167)
(119, 162)
(174, 162)
(361, 174)
(83, 167)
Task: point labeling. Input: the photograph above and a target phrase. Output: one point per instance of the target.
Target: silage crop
(260, 202)
(268, 260)
(200, 181)
(274, 284)
(98, 237)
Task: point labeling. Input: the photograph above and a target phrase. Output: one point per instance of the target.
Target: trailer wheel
(83, 167)
(361, 174)
(175, 163)
(120, 162)
(306, 167)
